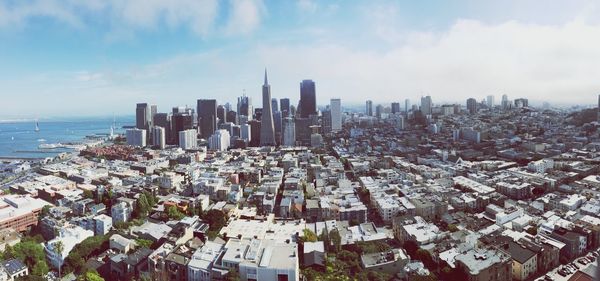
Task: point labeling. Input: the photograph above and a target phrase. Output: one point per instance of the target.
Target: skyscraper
(221, 114)
(244, 107)
(490, 101)
(285, 107)
(207, 117)
(142, 116)
(289, 132)
(406, 106)
(274, 105)
(336, 114)
(326, 120)
(426, 105)
(136, 137)
(267, 126)
(369, 108)
(395, 107)
(308, 99)
(158, 137)
(188, 139)
(598, 108)
(472, 105)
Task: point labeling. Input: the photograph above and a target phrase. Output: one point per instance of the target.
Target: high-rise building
(232, 117)
(180, 122)
(406, 106)
(379, 111)
(136, 137)
(158, 137)
(506, 104)
(490, 101)
(303, 130)
(254, 132)
(221, 114)
(598, 108)
(219, 141)
(277, 121)
(163, 120)
(267, 126)
(426, 105)
(274, 105)
(308, 99)
(472, 105)
(244, 107)
(521, 103)
(207, 117)
(285, 107)
(336, 114)
(369, 108)
(245, 132)
(188, 139)
(326, 120)
(289, 132)
(142, 116)
(395, 107)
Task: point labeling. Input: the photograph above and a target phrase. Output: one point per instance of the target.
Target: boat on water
(51, 145)
(37, 126)
(41, 140)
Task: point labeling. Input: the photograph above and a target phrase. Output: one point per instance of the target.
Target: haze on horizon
(99, 57)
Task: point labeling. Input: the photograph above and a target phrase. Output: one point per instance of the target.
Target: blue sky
(98, 57)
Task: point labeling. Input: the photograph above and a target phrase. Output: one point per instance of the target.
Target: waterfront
(20, 140)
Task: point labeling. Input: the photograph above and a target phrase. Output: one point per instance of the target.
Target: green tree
(91, 275)
(336, 240)
(40, 269)
(174, 213)
(143, 243)
(143, 207)
(215, 218)
(309, 236)
(452, 228)
(58, 248)
(31, 253)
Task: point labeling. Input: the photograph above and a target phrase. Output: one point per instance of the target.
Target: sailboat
(37, 126)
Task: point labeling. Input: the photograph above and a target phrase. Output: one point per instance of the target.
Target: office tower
(180, 122)
(219, 141)
(406, 105)
(335, 106)
(153, 111)
(236, 131)
(232, 117)
(308, 99)
(243, 119)
(245, 132)
(490, 101)
(142, 116)
(472, 105)
(506, 104)
(207, 117)
(159, 137)
(426, 105)
(227, 126)
(254, 132)
(289, 132)
(303, 130)
(379, 111)
(188, 139)
(244, 107)
(277, 121)
(258, 112)
(274, 105)
(326, 120)
(163, 120)
(598, 108)
(521, 103)
(136, 137)
(395, 107)
(221, 114)
(285, 107)
(369, 108)
(267, 126)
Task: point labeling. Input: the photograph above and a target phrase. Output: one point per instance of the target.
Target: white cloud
(245, 16)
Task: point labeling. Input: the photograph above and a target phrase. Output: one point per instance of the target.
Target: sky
(100, 57)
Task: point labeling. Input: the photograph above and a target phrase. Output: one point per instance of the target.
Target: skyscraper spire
(266, 82)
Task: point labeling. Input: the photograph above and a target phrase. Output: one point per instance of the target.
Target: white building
(188, 139)
(264, 260)
(158, 137)
(490, 101)
(136, 137)
(289, 132)
(69, 237)
(103, 224)
(219, 141)
(202, 262)
(335, 106)
(541, 166)
(121, 212)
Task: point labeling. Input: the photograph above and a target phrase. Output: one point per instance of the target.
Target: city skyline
(99, 57)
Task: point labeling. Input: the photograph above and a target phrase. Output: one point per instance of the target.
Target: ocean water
(20, 140)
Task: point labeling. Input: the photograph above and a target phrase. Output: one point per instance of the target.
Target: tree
(452, 228)
(58, 249)
(336, 240)
(143, 206)
(309, 236)
(31, 253)
(88, 194)
(532, 230)
(143, 243)
(216, 219)
(90, 275)
(40, 269)
(174, 213)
